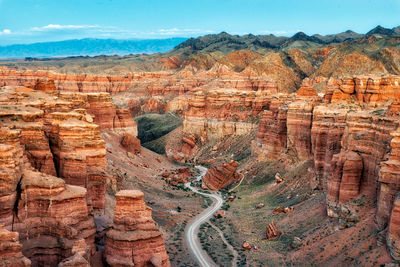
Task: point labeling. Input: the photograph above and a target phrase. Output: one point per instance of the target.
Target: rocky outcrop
(272, 131)
(11, 166)
(131, 143)
(326, 135)
(51, 216)
(219, 113)
(365, 89)
(134, 239)
(220, 176)
(393, 235)
(80, 255)
(389, 178)
(80, 161)
(155, 104)
(11, 250)
(272, 231)
(299, 122)
(345, 177)
(86, 83)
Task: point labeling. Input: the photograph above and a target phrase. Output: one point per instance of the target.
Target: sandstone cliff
(134, 239)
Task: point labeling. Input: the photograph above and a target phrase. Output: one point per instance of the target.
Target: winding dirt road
(192, 229)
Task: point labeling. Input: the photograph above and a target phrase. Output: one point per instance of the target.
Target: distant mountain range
(89, 47)
(222, 42)
(225, 42)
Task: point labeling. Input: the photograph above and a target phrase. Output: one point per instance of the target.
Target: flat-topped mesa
(80, 157)
(368, 90)
(50, 217)
(220, 176)
(389, 180)
(11, 250)
(135, 239)
(73, 82)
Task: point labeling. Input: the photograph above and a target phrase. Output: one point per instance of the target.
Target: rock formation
(11, 250)
(393, 235)
(389, 182)
(131, 143)
(51, 216)
(45, 133)
(345, 177)
(220, 176)
(134, 239)
(272, 231)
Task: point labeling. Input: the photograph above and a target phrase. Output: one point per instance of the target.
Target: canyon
(312, 132)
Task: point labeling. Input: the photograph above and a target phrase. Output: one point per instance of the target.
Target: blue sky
(28, 21)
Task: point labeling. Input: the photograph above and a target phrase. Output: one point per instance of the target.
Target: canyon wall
(53, 174)
(350, 133)
(134, 239)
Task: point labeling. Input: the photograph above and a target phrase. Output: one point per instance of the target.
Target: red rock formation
(220, 176)
(272, 231)
(135, 239)
(389, 178)
(326, 135)
(81, 161)
(306, 89)
(345, 179)
(80, 257)
(74, 82)
(299, 122)
(219, 113)
(11, 167)
(272, 132)
(51, 216)
(393, 235)
(155, 104)
(131, 143)
(11, 250)
(370, 90)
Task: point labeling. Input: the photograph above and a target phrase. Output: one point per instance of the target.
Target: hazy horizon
(24, 22)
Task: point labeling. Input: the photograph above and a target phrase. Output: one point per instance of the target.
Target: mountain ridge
(89, 47)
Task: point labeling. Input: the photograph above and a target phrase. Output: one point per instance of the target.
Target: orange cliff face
(85, 83)
(44, 134)
(47, 213)
(222, 112)
(11, 250)
(134, 239)
(352, 141)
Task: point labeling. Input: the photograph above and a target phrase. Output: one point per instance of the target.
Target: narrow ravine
(192, 229)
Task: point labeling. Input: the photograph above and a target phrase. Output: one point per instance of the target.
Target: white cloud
(274, 32)
(5, 32)
(63, 27)
(177, 31)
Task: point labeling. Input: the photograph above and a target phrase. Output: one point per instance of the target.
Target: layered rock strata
(134, 239)
(11, 250)
(215, 114)
(218, 177)
(393, 235)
